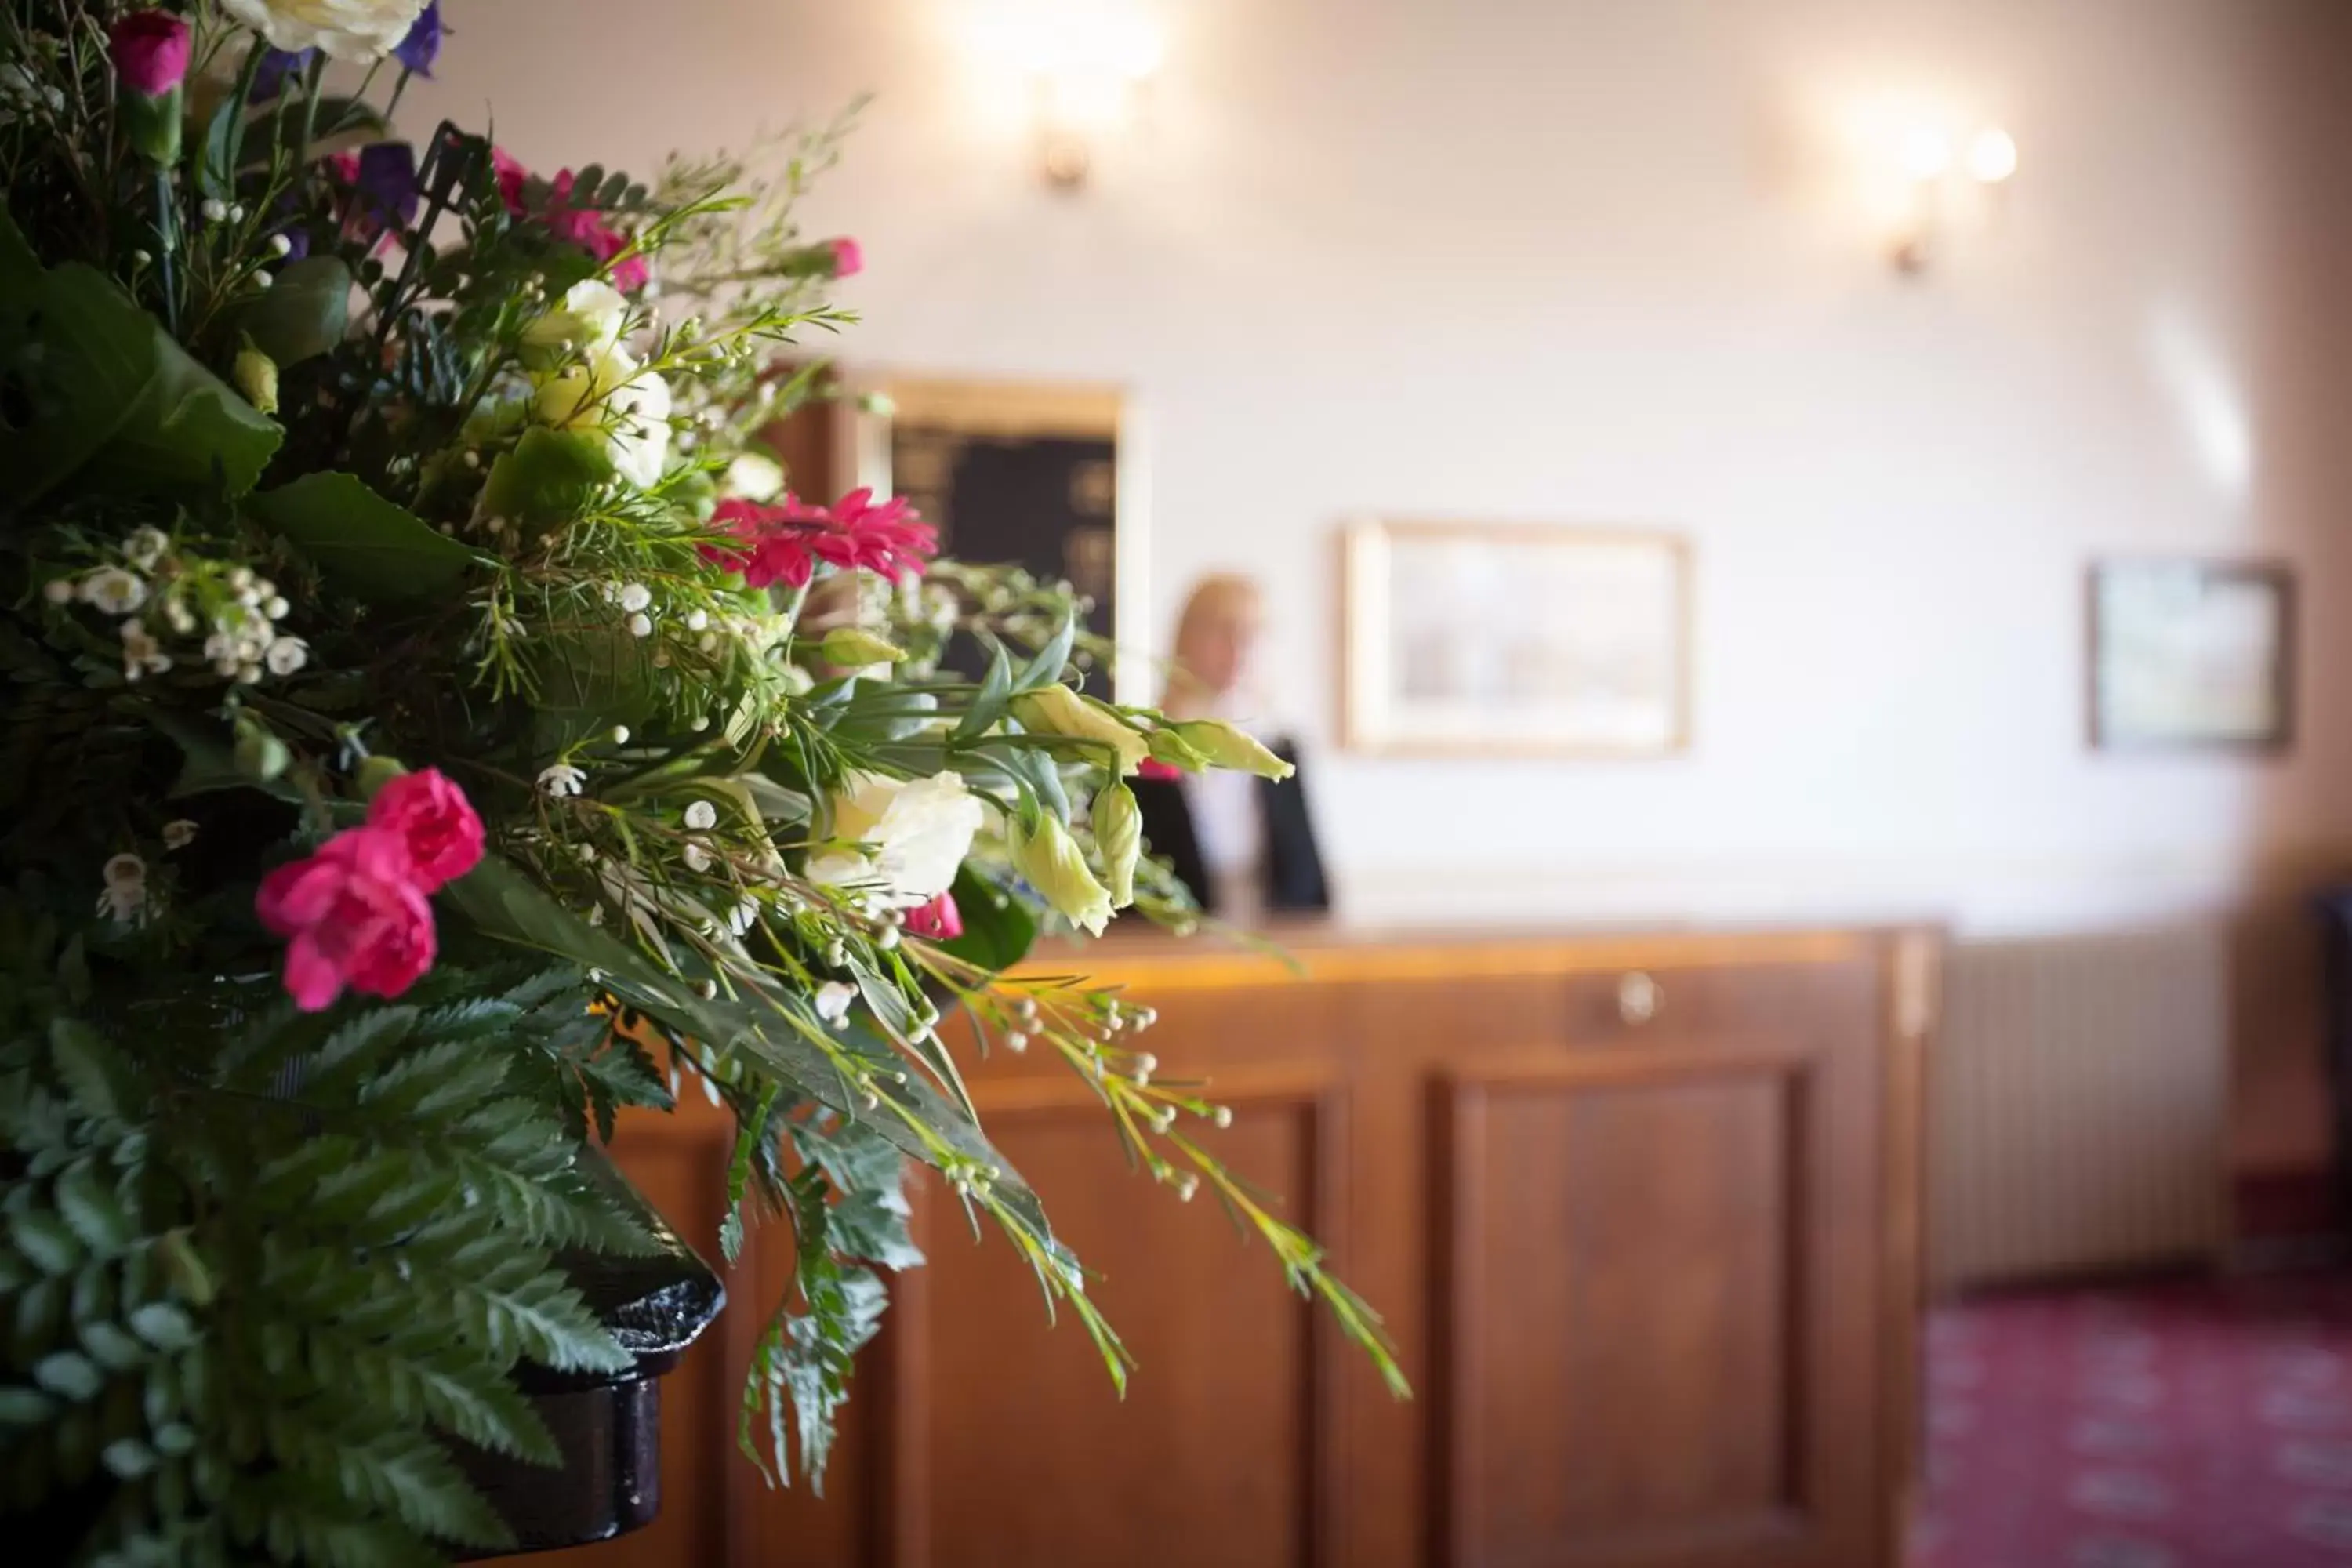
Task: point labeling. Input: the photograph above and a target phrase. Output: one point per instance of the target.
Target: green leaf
(997, 929)
(546, 477)
(20, 270)
(46, 1240)
(1046, 667)
(23, 1406)
(369, 547)
(304, 313)
(988, 704)
(96, 1215)
(101, 1083)
(163, 1325)
(69, 1374)
(77, 374)
(111, 384)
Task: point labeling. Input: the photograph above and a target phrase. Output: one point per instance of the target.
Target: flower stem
(167, 240)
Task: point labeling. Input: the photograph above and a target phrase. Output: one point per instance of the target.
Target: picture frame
(2191, 654)
(1049, 475)
(1492, 639)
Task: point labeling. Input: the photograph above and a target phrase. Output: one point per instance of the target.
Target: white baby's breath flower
(145, 547)
(113, 590)
(634, 596)
(701, 815)
(641, 624)
(179, 834)
(125, 898)
(833, 1000)
(141, 654)
(696, 619)
(59, 589)
(275, 606)
(620, 735)
(696, 857)
(561, 779)
(360, 30)
(287, 655)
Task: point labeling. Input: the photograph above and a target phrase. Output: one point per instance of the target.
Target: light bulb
(1994, 156)
(1926, 154)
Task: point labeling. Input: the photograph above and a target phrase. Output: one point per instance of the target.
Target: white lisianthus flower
(912, 835)
(833, 1000)
(561, 779)
(591, 319)
(346, 30)
(631, 404)
(634, 596)
(179, 833)
(755, 478)
(641, 432)
(696, 857)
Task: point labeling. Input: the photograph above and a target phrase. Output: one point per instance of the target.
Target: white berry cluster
(156, 594)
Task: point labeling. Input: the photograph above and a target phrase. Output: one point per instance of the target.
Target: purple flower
(386, 182)
(422, 45)
(269, 79)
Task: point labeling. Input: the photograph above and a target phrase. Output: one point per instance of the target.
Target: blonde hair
(1220, 596)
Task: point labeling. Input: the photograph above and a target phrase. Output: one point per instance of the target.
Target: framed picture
(2191, 654)
(1492, 639)
(1036, 473)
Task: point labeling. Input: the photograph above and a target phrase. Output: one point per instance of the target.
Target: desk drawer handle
(1638, 996)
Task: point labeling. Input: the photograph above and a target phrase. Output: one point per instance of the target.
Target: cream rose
(346, 30)
(913, 835)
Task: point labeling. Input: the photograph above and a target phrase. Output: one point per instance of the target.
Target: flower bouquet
(435, 726)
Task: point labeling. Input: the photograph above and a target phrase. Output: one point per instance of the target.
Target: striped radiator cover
(2078, 1097)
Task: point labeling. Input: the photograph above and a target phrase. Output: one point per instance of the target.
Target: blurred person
(1244, 844)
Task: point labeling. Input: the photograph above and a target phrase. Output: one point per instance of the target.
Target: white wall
(1601, 260)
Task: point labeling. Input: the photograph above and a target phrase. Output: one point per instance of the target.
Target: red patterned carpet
(2203, 1425)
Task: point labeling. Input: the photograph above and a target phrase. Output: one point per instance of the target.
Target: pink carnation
(586, 227)
(510, 176)
(848, 260)
(434, 819)
(150, 52)
(939, 920)
(354, 915)
(1153, 768)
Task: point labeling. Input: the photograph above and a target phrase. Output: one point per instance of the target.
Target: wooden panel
(1653, 1277)
(1657, 1304)
(1011, 1444)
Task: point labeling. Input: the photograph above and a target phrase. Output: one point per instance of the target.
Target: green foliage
(304, 314)
(373, 549)
(261, 1272)
(112, 393)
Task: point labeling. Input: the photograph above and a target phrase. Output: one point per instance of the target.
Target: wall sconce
(1085, 65)
(1931, 174)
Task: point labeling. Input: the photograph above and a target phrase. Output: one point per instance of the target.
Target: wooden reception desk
(1642, 1211)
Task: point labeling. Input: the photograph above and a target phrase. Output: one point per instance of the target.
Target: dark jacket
(1293, 866)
